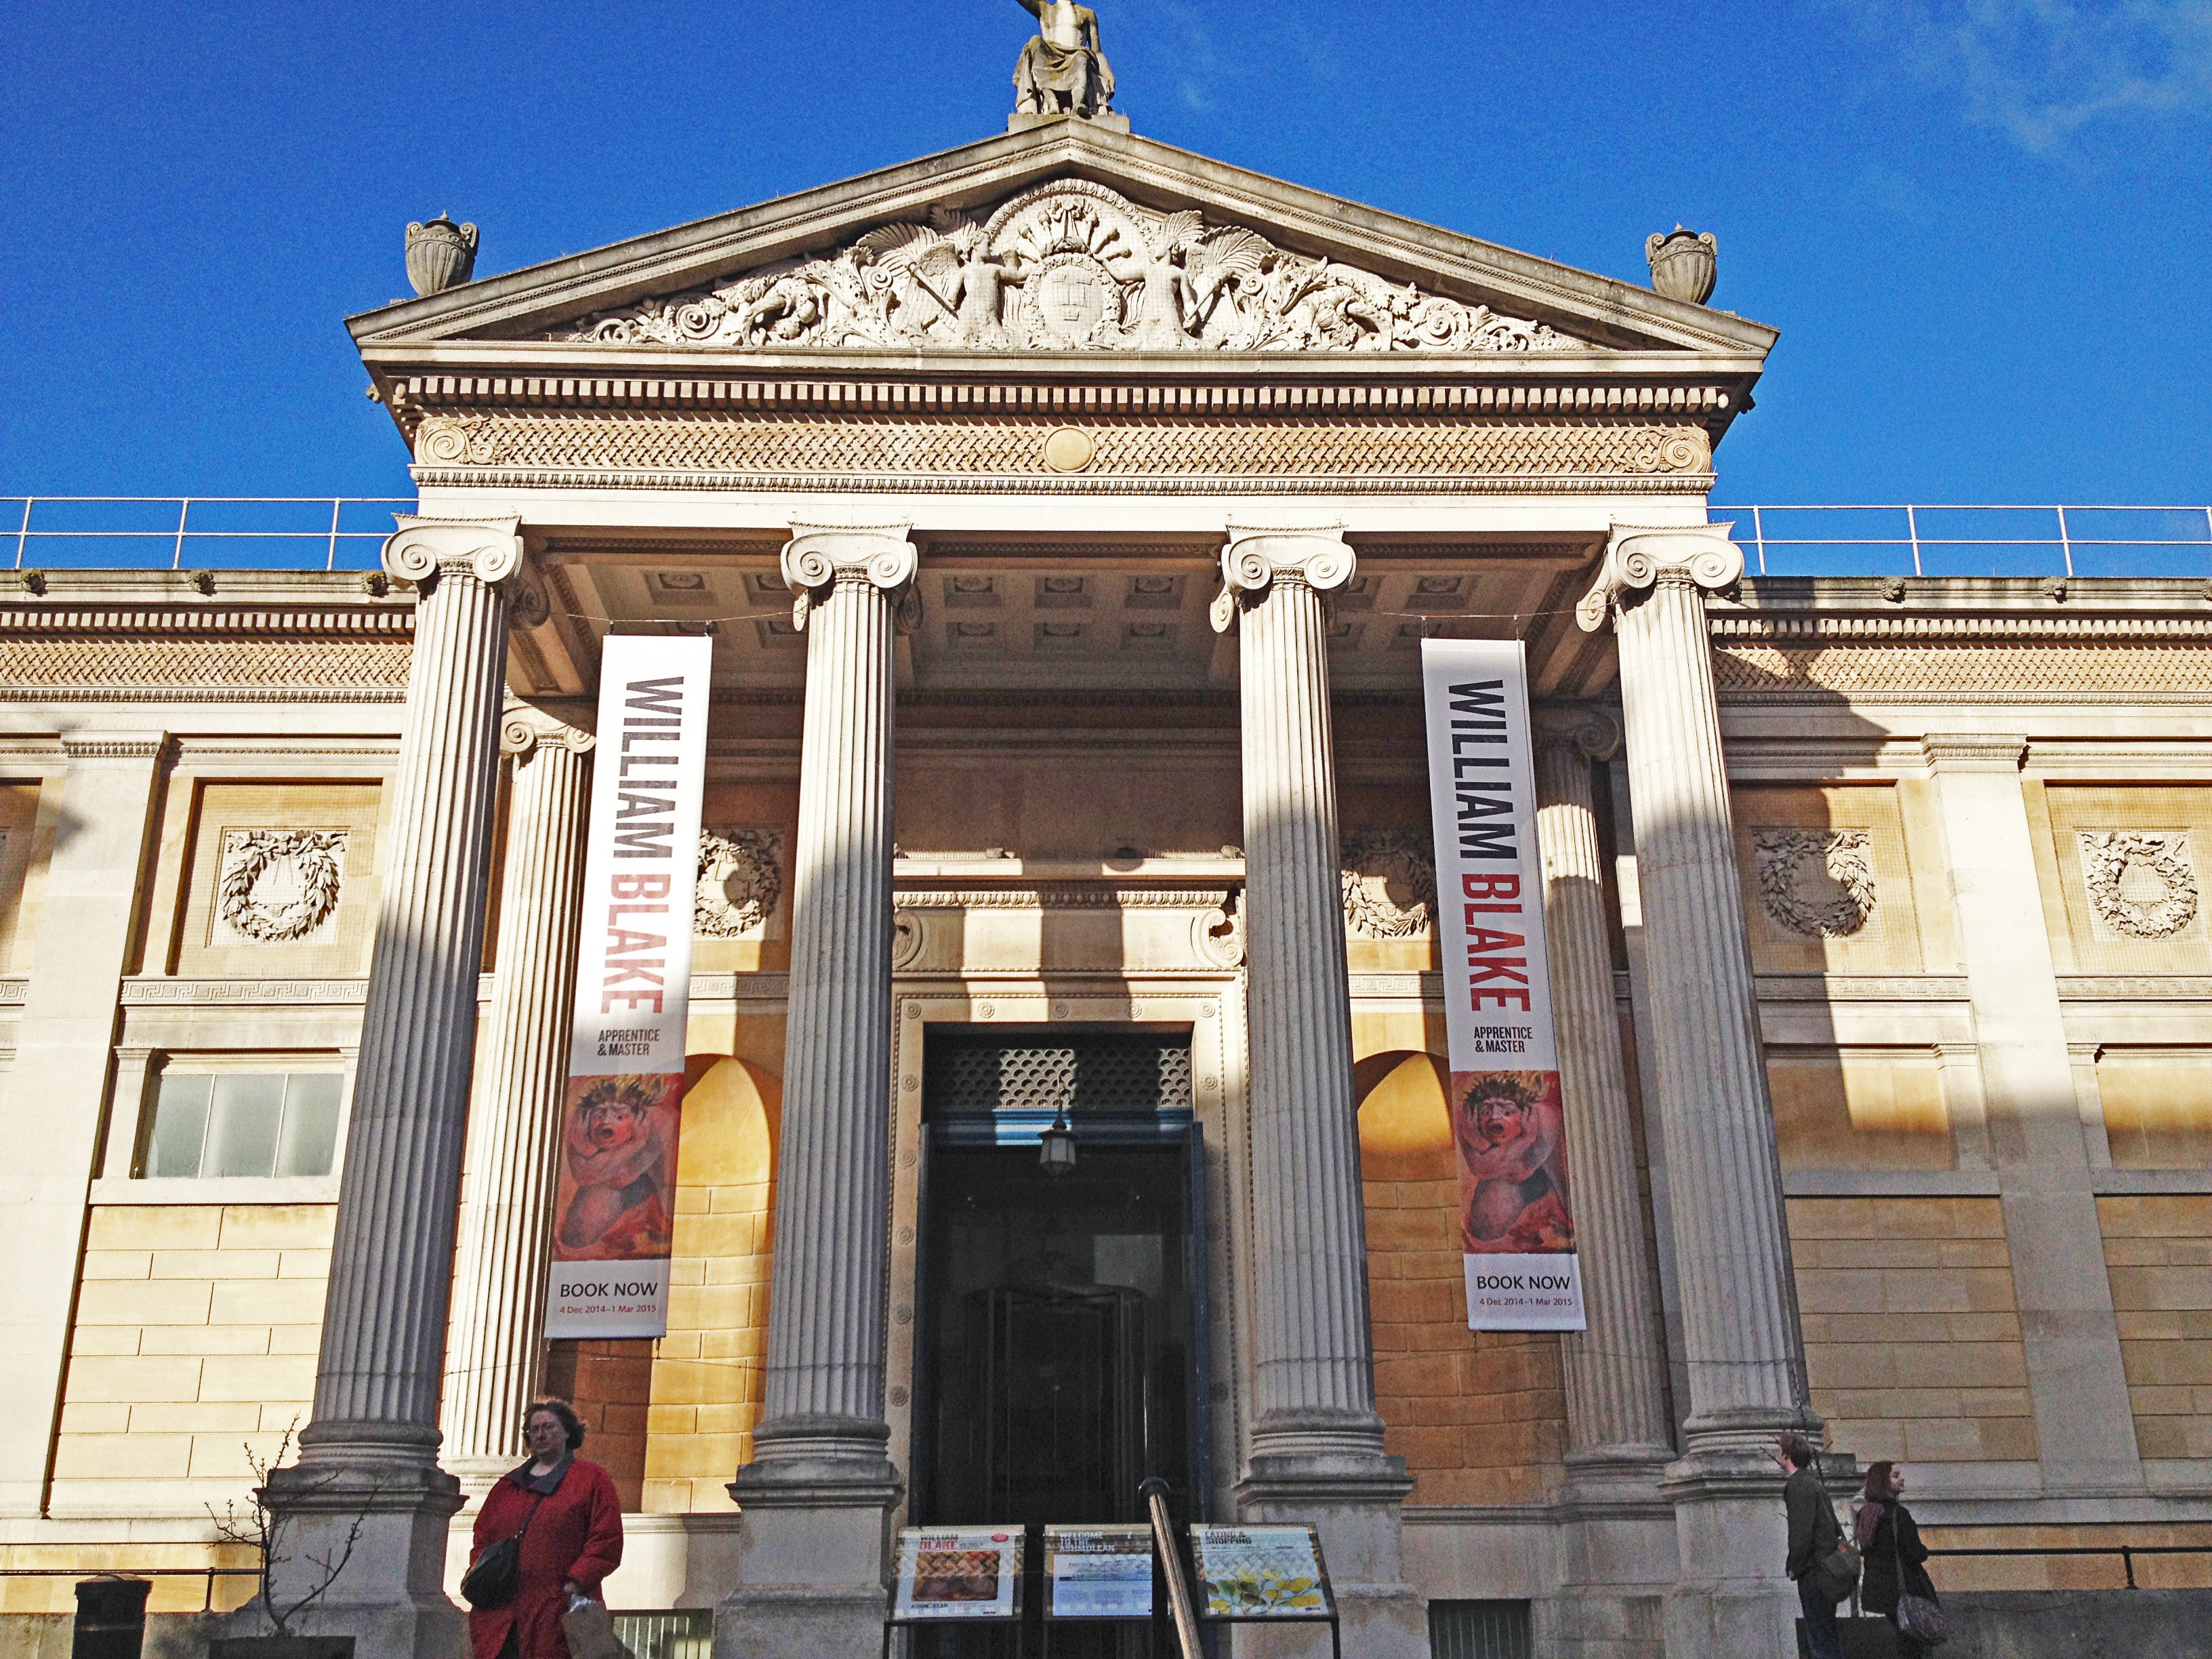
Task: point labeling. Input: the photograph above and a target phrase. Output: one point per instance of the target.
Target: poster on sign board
(1098, 1573)
(958, 1572)
(1509, 1124)
(1260, 1573)
(614, 1200)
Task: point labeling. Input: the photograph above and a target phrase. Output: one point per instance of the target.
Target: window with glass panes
(244, 1123)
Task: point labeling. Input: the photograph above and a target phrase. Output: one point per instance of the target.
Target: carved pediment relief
(1068, 266)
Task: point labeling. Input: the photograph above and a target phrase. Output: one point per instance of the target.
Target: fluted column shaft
(1315, 1374)
(1742, 1341)
(1616, 1406)
(497, 1349)
(384, 1325)
(825, 1383)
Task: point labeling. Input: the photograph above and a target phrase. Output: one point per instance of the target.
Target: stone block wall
(1913, 1338)
(196, 1334)
(2158, 1252)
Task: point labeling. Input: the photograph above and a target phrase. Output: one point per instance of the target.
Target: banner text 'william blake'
(614, 1193)
(1516, 1215)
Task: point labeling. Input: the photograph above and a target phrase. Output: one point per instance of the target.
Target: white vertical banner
(1516, 1216)
(614, 1193)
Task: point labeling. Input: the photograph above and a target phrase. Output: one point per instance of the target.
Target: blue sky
(1984, 229)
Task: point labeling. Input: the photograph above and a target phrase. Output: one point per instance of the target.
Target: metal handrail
(1155, 1491)
(1917, 540)
(174, 540)
(2127, 1553)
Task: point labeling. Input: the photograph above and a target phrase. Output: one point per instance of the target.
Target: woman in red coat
(574, 1538)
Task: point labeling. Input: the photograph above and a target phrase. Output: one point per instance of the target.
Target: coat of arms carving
(1068, 266)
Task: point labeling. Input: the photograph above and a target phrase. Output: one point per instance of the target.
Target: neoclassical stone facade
(1068, 512)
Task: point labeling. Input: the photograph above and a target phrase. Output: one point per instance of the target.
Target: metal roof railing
(343, 532)
(1839, 540)
(185, 532)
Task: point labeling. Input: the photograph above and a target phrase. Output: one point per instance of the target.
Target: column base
(1618, 1558)
(1354, 1494)
(814, 1545)
(1731, 1594)
(382, 1525)
(478, 1475)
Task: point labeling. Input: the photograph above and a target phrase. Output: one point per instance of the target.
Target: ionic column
(497, 1350)
(1316, 1451)
(1742, 1345)
(1617, 1426)
(818, 1491)
(371, 1449)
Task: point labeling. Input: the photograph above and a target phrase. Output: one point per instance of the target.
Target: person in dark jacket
(1813, 1531)
(574, 1538)
(1889, 1540)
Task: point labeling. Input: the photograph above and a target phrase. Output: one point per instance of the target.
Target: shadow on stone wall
(2057, 1625)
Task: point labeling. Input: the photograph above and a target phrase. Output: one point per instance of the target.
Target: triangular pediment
(1066, 239)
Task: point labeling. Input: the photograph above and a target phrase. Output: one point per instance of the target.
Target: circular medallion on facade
(1070, 299)
(1068, 450)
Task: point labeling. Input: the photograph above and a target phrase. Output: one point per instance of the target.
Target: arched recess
(1479, 1417)
(706, 1392)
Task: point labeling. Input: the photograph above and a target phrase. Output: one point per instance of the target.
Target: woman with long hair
(1889, 1544)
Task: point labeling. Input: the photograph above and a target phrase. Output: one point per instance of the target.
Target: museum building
(1067, 512)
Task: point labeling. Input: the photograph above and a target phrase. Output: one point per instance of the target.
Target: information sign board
(1261, 1573)
(1098, 1573)
(958, 1572)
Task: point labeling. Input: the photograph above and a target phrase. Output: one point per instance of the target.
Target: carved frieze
(998, 453)
(1068, 266)
(221, 669)
(740, 879)
(278, 886)
(1389, 883)
(1818, 882)
(2140, 883)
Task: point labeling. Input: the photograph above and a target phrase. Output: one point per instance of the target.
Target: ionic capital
(1259, 555)
(819, 556)
(1582, 727)
(524, 728)
(491, 550)
(1640, 557)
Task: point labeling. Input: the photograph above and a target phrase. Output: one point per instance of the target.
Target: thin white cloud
(2046, 71)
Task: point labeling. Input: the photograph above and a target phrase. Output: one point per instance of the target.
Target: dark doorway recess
(1059, 1360)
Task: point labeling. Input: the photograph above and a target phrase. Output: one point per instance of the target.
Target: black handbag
(1922, 1619)
(494, 1577)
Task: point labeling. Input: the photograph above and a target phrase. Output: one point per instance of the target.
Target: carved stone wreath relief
(1389, 883)
(2140, 885)
(1070, 265)
(740, 879)
(1818, 882)
(278, 886)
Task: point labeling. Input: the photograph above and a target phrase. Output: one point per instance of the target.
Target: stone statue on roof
(1062, 72)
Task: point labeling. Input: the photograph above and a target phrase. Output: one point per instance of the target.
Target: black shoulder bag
(494, 1577)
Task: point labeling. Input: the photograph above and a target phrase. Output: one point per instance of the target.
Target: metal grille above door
(969, 1073)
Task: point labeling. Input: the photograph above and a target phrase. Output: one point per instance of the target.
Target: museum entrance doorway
(1058, 1361)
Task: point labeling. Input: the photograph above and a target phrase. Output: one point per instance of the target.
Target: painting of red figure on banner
(1511, 1138)
(616, 1188)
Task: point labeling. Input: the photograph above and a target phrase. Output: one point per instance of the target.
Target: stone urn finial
(439, 255)
(1683, 264)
